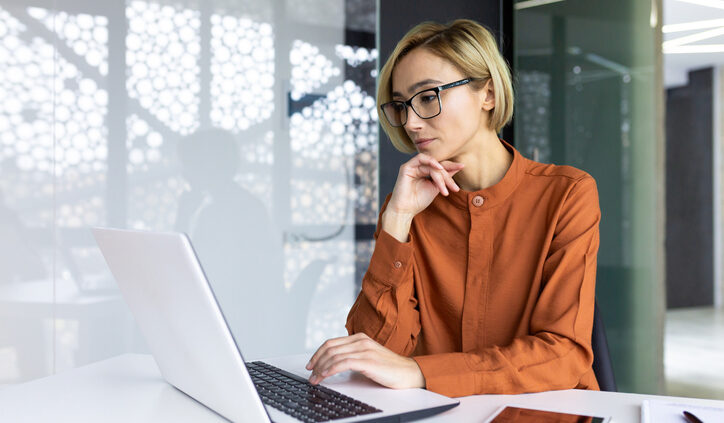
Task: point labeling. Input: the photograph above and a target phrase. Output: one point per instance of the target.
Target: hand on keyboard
(360, 353)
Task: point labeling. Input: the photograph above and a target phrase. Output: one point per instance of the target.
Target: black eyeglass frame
(437, 90)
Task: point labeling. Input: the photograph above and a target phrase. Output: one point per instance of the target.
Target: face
(464, 110)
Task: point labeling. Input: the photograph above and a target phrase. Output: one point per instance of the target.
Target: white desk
(129, 388)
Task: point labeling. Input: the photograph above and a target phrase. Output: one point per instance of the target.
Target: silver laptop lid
(166, 289)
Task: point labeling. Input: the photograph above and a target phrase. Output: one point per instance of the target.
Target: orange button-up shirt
(494, 290)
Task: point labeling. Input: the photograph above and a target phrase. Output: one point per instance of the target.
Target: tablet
(510, 414)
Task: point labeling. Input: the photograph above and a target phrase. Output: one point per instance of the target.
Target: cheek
(460, 117)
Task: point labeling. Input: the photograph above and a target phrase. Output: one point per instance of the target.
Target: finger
(352, 361)
(439, 181)
(326, 345)
(425, 171)
(450, 166)
(453, 172)
(331, 354)
(425, 159)
(321, 350)
(451, 169)
(332, 343)
(358, 342)
(450, 182)
(447, 179)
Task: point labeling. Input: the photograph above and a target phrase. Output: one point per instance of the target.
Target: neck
(485, 163)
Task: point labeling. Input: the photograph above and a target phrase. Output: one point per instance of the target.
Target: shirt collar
(494, 195)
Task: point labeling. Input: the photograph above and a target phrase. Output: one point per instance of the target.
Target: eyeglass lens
(426, 104)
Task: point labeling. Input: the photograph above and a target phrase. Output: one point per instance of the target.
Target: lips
(422, 142)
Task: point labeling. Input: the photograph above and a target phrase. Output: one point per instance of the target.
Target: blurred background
(252, 126)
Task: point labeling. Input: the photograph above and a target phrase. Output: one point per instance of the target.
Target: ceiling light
(717, 4)
(534, 3)
(708, 48)
(694, 37)
(691, 26)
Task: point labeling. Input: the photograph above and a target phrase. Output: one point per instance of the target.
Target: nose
(414, 122)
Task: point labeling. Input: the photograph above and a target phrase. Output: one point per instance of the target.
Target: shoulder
(562, 172)
(567, 188)
(564, 177)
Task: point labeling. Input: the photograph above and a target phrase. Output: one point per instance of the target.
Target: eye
(397, 106)
(427, 98)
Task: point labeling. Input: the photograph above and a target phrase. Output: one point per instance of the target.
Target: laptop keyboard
(298, 398)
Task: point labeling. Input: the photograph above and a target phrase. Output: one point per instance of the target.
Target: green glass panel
(589, 95)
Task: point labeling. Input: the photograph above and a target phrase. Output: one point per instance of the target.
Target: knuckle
(368, 343)
(346, 362)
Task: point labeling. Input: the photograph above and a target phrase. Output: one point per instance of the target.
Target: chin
(437, 155)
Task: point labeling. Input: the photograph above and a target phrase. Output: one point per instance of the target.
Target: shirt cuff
(391, 259)
(447, 374)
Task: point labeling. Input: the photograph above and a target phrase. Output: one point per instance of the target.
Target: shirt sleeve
(386, 308)
(557, 353)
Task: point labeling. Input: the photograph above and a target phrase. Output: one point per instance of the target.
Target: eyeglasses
(425, 104)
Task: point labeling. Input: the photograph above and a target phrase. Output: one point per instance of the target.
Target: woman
(483, 275)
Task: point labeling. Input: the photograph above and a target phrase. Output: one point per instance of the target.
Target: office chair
(602, 365)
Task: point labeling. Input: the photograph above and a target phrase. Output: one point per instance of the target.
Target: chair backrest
(602, 365)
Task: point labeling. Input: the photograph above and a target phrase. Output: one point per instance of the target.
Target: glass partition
(589, 95)
(250, 126)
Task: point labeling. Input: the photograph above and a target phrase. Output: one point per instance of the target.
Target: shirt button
(478, 201)
(398, 264)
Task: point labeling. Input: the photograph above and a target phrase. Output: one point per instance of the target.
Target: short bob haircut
(468, 46)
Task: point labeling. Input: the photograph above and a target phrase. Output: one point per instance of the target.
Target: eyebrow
(416, 85)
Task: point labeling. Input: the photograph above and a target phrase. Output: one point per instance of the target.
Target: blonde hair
(468, 46)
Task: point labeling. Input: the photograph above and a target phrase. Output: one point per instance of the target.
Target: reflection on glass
(249, 126)
(234, 237)
(242, 69)
(587, 84)
(162, 48)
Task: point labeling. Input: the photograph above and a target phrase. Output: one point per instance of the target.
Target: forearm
(529, 364)
(386, 308)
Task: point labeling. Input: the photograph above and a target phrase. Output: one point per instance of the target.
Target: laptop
(162, 282)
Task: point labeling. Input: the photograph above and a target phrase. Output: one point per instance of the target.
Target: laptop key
(300, 399)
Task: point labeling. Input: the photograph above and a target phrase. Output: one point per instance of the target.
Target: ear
(488, 96)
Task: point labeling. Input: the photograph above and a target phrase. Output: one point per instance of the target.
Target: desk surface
(129, 388)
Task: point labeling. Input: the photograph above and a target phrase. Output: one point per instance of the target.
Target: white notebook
(655, 411)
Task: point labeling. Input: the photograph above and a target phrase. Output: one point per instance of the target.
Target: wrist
(397, 224)
(418, 380)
